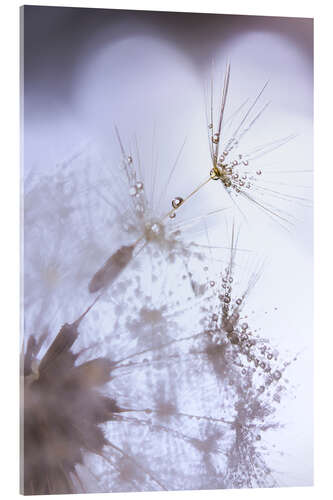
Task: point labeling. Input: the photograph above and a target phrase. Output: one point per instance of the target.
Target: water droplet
(245, 162)
(258, 437)
(139, 186)
(172, 215)
(259, 172)
(156, 228)
(176, 202)
(245, 326)
(212, 283)
(277, 375)
(133, 190)
(210, 125)
(215, 317)
(129, 160)
(238, 302)
(227, 299)
(269, 356)
(216, 138)
(231, 280)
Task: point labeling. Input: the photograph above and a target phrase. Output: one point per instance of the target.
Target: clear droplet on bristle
(258, 437)
(212, 283)
(216, 138)
(248, 185)
(245, 162)
(129, 160)
(172, 215)
(215, 317)
(277, 375)
(176, 202)
(238, 302)
(259, 172)
(139, 186)
(245, 326)
(210, 125)
(133, 190)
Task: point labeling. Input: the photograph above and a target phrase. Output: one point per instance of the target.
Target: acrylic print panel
(167, 253)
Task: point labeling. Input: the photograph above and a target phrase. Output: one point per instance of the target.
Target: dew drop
(238, 302)
(215, 317)
(156, 228)
(176, 202)
(212, 283)
(133, 190)
(129, 160)
(259, 172)
(172, 215)
(139, 186)
(277, 375)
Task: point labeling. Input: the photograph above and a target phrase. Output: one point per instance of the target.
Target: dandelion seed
(242, 164)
